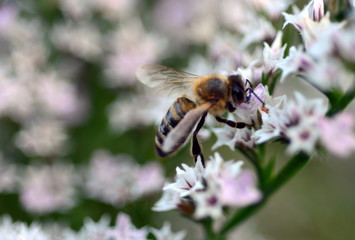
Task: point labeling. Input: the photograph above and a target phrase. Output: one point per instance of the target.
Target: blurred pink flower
(82, 39)
(8, 15)
(131, 47)
(114, 171)
(149, 178)
(337, 134)
(165, 233)
(185, 21)
(60, 98)
(115, 9)
(77, 9)
(122, 118)
(45, 137)
(174, 16)
(272, 8)
(239, 191)
(127, 180)
(16, 99)
(8, 176)
(48, 188)
(262, 31)
(125, 230)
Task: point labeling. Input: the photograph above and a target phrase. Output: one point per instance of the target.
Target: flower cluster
(204, 192)
(301, 122)
(325, 51)
(101, 230)
(55, 188)
(127, 180)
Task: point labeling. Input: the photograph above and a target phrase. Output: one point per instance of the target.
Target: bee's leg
(232, 123)
(230, 107)
(195, 146)
(247, 89)
(252, 92)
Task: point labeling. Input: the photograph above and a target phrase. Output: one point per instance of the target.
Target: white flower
(303, 137)
(262, 30)
(298, 18)
(233, 137)
(273, 53)
(91, 230)
(205, 192)
(330, 74)
(296, 62)
(188, 179)
(165, 233)
(208, 202)
(311, 21)
(271, 125)
(169, 200)
(250, 113)
(297, 122)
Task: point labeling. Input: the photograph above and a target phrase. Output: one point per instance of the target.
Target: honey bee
(199, 95)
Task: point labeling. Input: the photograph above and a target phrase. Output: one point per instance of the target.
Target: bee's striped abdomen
(175, 114)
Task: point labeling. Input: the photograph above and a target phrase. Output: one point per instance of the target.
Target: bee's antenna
(250, 89)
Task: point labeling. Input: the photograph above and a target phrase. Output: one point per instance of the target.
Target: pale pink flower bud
(317, 10)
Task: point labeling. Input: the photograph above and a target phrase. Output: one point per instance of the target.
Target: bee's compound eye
(238, 93)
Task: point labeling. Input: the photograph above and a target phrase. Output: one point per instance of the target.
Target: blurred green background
(319, 203)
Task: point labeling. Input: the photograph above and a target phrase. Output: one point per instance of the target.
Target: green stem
(210, 234)
(240, 216)
(274, 80)
(285, 174)
(341, 104)
(255, 161)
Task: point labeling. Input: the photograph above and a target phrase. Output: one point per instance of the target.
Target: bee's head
(237, 89)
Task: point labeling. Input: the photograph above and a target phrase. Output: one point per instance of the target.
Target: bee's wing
(166, 79)
(180, 133)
